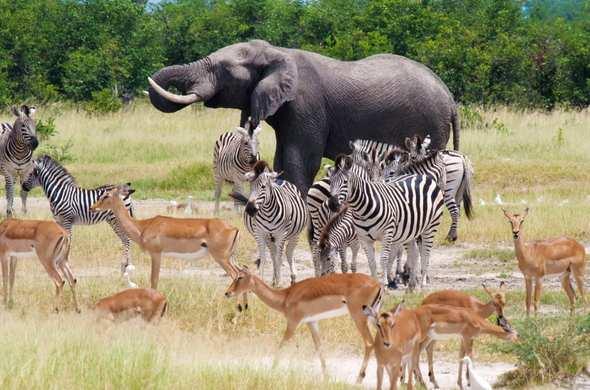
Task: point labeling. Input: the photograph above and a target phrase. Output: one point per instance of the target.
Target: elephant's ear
(277, 86)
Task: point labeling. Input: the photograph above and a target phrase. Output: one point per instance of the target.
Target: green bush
(103, 102)
(46, 128)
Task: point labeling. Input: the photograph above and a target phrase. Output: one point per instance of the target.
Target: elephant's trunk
(182, 77)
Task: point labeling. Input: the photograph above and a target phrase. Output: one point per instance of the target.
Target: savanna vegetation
(527, 53)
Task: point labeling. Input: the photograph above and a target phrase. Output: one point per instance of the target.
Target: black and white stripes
(275, 215)
(234, 155)
(17, 143)
(71, 204)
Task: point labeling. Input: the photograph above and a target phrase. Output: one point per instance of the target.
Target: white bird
(477, 382)
(498, 200)
(482, 202)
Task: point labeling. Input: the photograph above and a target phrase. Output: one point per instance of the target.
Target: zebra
(17, 143)
(367, 156)
(233, 156)
(407, 211)
(70, 204)
(275, 215)
(451, 169)
(339, 234)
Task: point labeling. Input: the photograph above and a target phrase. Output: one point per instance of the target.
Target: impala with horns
(145, 302)
(538, 258)
(403, 333)
(184, 238)
(312, 300)
(49, 241)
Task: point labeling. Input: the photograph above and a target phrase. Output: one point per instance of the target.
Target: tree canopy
(531, 53)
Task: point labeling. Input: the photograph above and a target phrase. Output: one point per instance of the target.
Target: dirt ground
(449, 268)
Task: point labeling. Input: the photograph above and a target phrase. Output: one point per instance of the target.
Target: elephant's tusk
(172, 97)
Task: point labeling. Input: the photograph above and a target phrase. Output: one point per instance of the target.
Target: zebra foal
(70, 204)
(17, 143)
(234, 155)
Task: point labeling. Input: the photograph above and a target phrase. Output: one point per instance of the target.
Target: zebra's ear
(257, 130)
(16, 111)
(241, 131)
(29, 111)
(249, 176)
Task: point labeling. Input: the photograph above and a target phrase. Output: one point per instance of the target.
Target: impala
(182, 238)
(455, 298)
(145, 302)
(403, 333)
(22, 238)
(536, 259)
(312, 300)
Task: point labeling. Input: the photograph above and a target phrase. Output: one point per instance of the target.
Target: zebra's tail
(464, 192)
(310, 232)
(240, 198)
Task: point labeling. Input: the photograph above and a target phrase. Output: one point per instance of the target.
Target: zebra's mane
(259, 168)
(335, 220)
(49, 163)
(368, 145)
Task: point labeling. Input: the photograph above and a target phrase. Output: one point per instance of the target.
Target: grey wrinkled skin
(316, 104)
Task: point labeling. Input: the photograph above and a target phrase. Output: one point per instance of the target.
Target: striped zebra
(275, 215)
(451, 169)
(70, 204)
(339, 234)
(405, 212)
(17, 143)
(233, 156)
(367, 156)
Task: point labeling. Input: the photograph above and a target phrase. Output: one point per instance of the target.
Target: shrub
(103, 102)
(46, 129)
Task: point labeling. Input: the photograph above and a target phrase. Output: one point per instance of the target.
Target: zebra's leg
(315, 257)
(412, 262)
(9, 184)
(354, 248)
(388, 247)
(343, 264)
(453, 208)
(425, 247)
(291, 244)
(276, 254)
(391, 277)
(369, 249)
(23, 199)
(126, 265)
(237, 187)
(217, 194)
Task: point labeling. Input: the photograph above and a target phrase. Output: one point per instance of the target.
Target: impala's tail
(164, 309)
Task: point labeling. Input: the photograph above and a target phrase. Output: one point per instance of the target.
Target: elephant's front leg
(298, 159)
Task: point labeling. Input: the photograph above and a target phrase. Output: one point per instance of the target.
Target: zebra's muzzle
(33, 143)
(334, 204)
(251, 209)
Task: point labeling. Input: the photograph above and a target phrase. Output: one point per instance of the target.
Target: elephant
(315, 104)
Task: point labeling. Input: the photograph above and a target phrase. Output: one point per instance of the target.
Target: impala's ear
(485, 288)
(398, 308)
(506, 213)
(278, 84)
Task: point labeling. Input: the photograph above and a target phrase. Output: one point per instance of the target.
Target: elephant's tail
(456, 128)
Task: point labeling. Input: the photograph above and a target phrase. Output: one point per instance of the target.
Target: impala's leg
(315, 335)
(13, 261)
(9, 185)
(416, 364)
(126, 266)
(394, 373)
(430, 352)
(380, 376)
(291, 244)
(217, 194)
(369, 248)
(569, 290)
(579, 277)
(155, 276)
(528, 281)
(72, 281)
(354, 248)
(360, 320)
(289, 332)
(49, 266)
(4, 260)
(538, 287)
(343, 264)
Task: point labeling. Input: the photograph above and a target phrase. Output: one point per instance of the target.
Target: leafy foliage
(531, 53)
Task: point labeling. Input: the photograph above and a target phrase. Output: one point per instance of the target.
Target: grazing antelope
(49, 241)
(315, 299)
(145, 302)
(401, 336)
(460, 299)
(182, 238)
(536, 259)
